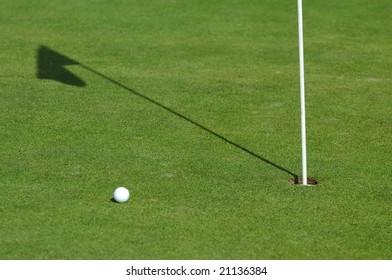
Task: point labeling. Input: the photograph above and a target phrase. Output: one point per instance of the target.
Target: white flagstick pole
(302, 91)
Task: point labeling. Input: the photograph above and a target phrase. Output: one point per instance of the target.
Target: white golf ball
(121, 195)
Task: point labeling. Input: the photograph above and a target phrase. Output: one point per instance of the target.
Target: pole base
(298, 181)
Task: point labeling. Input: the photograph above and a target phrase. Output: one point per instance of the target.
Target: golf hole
(298, 181)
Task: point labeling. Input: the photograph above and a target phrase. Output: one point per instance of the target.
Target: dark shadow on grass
(60, 58)
(51, 66)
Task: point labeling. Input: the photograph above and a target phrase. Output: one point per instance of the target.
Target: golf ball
(121, 195)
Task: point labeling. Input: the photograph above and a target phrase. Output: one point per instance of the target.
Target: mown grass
(227, 66)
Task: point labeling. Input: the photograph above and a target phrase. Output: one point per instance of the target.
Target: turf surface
(194, 106)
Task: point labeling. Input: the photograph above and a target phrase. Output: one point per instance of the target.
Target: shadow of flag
(51, 66)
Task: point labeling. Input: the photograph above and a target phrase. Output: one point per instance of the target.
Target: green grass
(230, 66)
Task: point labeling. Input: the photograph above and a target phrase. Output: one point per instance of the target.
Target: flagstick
(302, 92)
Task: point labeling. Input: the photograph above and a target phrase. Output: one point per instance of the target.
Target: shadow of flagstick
(51, 65)
(190, 121)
